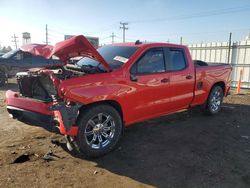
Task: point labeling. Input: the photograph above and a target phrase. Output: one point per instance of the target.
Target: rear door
(181, 78)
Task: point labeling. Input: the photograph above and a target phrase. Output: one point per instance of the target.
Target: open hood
(78, 46)
(38, 49)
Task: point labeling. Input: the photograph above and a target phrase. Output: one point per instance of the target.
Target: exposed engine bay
(39, 85)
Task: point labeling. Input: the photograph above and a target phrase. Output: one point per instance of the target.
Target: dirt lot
(186, 149)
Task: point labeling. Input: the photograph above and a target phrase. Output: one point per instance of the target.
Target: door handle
(189, 77)
(165, 80)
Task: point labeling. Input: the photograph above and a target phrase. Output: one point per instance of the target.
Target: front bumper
(38, 113)
(33, 118)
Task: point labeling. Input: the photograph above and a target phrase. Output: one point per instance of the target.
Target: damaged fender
(66, 115)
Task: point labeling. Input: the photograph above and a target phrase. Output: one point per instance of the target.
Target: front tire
(100, 128)
(214, 102)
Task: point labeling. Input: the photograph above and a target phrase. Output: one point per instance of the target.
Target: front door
(149, 78)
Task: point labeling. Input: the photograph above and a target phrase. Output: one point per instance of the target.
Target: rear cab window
(175, 59)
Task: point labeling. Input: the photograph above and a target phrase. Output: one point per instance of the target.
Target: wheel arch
(221, 84)
(116, 105)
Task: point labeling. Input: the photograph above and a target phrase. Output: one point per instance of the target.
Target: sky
(151, 20)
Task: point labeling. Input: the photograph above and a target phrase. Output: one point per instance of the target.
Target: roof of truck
(147, 44)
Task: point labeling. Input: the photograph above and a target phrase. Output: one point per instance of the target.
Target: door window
(151, 62)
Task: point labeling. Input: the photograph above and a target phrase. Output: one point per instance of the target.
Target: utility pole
(112, 37)
(229, 47)
(14, 39)
(181, 40)
(123, 27)
(46, 33)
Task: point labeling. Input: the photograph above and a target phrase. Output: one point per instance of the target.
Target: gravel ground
(186, 149)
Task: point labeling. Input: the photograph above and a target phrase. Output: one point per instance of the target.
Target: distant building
(93, 40)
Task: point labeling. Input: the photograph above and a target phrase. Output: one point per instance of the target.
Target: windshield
(115, 56)
(9, 54)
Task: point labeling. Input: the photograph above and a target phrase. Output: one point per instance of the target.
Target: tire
(3, 78)
(100, 129)
(214, 102)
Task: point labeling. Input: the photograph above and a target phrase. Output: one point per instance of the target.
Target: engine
(38, 85)
(34, 84)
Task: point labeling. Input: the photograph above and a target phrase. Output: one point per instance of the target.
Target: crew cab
(113, 87)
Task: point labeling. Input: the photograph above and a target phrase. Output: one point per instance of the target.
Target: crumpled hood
(73, 47)
(78, 46)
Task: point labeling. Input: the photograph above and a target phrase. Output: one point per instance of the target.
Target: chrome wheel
(216, 100)
(99, 130)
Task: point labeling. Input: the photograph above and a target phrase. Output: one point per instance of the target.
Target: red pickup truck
(110, 88)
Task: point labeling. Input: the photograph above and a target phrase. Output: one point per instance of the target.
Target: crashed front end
(40, 102)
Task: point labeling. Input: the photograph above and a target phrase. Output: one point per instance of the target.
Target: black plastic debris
(50, 156)
(21, 159)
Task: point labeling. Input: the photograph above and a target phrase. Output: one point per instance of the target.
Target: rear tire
(214, 101)
(100, 128)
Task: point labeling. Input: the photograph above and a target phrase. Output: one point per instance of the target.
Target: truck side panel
(206, 77)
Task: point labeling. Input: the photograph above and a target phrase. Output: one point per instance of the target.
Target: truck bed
(199, 63)
(206, 75)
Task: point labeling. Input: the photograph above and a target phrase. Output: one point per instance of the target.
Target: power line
(104, 29)
(123, 27)
(14, 37)
(201, 33)
(58, 29)
(196, 15)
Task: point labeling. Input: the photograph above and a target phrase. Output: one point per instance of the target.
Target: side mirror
(133, 78)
